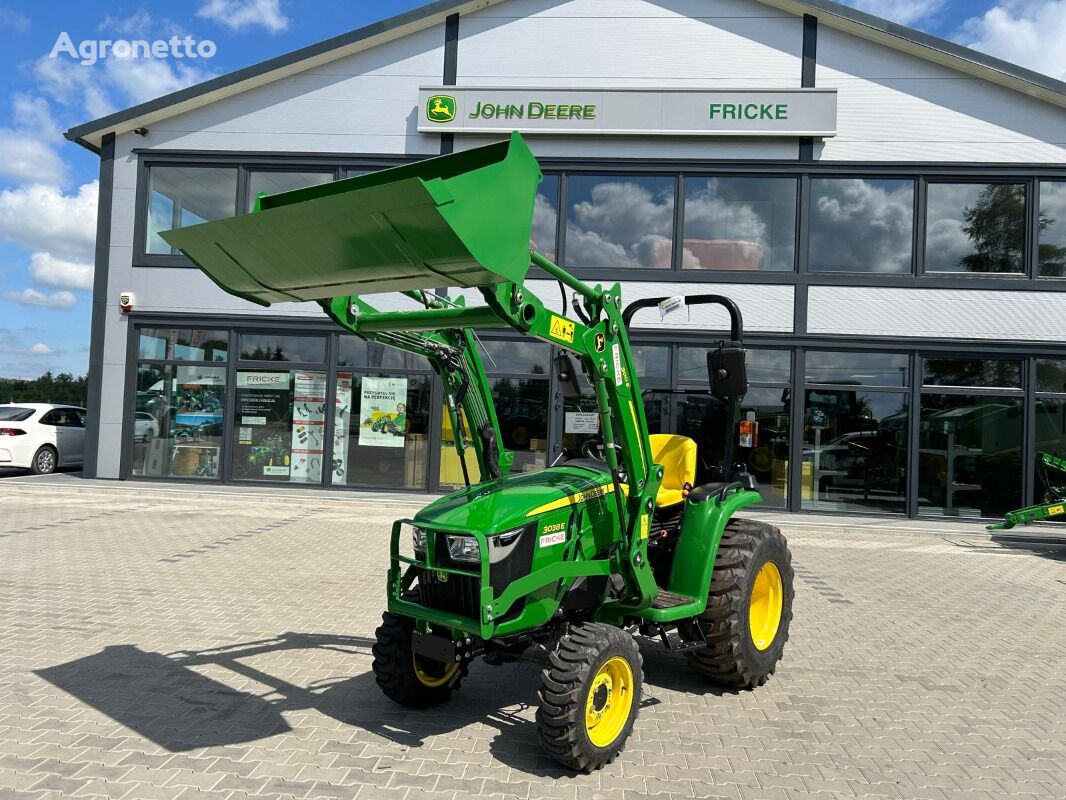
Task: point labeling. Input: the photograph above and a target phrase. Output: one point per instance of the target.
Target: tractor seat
(677, 456)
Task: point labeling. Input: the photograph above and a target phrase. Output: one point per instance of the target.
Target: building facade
(887, 209)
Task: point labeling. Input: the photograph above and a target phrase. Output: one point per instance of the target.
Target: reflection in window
(510, 356)
(855, 451)
(183, 196)
(381, 435)
(975, 227)
(969, 461)
(1052, 251)
(652, 362)
(360, 354)
(981, 372)
(739, 223)
(546, 217)
(1050, 438)
(768, 459)
(271, 347)
(861, 224)
(764, 366)
(1051, 375)
(865, 369)
(615, 221)
(182, 345)
(177, 422)
(277, 181)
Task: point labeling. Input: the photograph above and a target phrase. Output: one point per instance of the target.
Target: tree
(995, 224)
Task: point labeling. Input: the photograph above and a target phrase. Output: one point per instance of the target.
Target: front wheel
(589, 696)
(44, 461)
(405, 677)
(749, 607)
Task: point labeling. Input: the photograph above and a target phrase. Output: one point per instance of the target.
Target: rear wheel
(589, 696)
(749, 607)
(405, 677)
(45, 460)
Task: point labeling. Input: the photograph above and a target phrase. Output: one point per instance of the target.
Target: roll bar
(736, 321)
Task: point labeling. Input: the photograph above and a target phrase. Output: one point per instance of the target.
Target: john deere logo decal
(440, 108)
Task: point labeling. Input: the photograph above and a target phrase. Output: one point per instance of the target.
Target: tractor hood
(507, 503)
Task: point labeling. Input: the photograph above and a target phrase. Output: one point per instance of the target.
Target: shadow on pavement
(1043, 546)
(162, 698)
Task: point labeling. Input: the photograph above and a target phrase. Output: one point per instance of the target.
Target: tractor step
(676, 644)
(667, 599)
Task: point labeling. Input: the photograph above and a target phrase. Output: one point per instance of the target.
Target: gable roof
(828, 12)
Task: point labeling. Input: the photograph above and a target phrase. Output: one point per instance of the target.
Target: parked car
(41, 436)
(145, 427)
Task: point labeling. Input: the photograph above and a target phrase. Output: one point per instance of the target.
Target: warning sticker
(1055, 510)
(643, 526)
(617, 354)
(561, 329)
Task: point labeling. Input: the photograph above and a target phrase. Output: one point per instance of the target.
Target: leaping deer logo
(440, 108)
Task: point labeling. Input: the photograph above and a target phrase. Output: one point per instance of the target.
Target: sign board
(582, 422)
(638, 112)
(383, 412)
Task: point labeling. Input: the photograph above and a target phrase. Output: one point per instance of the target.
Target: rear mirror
(566, 374)
(727, 370)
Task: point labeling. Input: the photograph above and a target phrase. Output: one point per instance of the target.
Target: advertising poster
(341, 425)
(308, 426)
(199, 394)
(383, 412)
(264, 425)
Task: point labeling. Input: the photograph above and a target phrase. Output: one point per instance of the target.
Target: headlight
(464, 548)
(503, 544)
(418, 539)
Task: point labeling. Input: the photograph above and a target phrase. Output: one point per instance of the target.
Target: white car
(145, 427)
(41, 436)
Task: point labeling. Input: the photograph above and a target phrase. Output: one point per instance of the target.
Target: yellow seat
(677, 456)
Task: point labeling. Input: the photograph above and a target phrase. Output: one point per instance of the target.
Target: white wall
(896, 107)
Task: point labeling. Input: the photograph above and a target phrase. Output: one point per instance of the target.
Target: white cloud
(44, 219)
(1031, 33)
(48, 270)
(73, 84)
(905, 12)
(622, 223)
(31, 297)
(239, 14)
(141, 79)
(139, 23)
(41, 349)
(34, 114)
(27, 158)
(13, 20)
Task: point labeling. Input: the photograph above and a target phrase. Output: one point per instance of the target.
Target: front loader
(580, 559)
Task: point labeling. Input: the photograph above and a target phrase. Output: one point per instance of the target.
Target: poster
(383, 412)
(264, 417)
(308, 426)
(198, 399)
(342, 415)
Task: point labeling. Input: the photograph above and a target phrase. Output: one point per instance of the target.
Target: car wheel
(44, 460)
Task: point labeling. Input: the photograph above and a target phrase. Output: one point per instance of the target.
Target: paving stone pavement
(178, 644)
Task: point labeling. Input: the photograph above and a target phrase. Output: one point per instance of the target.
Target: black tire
(45, 460)
(572, 674)
(395, 670)
(731, 657)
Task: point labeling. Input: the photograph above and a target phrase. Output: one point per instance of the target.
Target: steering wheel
(593, 450)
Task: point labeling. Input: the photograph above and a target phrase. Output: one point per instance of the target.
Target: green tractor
(578, 560)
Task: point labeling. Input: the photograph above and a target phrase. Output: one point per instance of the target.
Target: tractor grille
(459, 594)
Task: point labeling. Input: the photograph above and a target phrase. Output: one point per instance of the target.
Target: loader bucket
(460, 220)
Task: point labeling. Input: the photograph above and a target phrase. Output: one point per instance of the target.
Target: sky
(48, 186)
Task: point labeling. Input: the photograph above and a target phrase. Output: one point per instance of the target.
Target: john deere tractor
(580, 560)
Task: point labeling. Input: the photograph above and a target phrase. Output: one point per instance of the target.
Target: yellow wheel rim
(609, 702)
(767, 599)
(432, 673)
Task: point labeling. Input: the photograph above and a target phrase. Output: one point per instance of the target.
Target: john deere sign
(642, 112)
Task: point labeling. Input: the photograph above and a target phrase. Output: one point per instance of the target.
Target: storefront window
(1052, 226)
(620, 221)
(652, 362)
(546, 217)
(182, 344)
(739, 223)
(274, 347)
(178, 419)
(277, 181)
(183, 196)
(861, 224)
(767, 459)
(862, 369)
(975, 227)
(524, 357)
(358, 353)
(764, 366)
(854, 450)
(279, 426)
(381, 433)
(988, 373)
